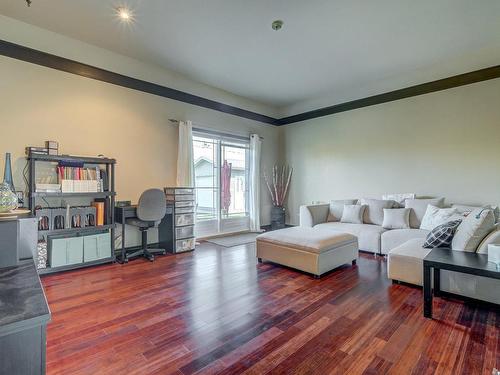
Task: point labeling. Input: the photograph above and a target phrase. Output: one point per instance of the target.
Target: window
(221, 182)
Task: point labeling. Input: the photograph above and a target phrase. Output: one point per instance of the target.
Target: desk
(165, 234)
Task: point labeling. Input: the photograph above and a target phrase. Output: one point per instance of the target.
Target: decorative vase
(7, 173)
(8, 199)
(277, 217)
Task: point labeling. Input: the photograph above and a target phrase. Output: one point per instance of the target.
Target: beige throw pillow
(473, 229)
(466, 209)
(418, 208)
(435, 216)
(396, 218)
(353, 213)
(337, 207)
(374, 212)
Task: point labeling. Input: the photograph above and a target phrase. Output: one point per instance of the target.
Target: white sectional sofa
(404, 247)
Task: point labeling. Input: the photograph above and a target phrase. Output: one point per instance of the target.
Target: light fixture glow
(124, 14)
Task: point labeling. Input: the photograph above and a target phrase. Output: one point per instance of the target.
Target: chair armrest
(313, 214)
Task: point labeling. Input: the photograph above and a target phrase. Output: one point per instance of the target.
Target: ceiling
(334, 50)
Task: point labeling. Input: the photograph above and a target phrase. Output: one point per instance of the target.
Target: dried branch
(279, 184)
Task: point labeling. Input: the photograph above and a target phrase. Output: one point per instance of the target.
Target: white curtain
(254, 191)
(185, 162)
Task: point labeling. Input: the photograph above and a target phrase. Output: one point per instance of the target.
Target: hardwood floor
(216, 311)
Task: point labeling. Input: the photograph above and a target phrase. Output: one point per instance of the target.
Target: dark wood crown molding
(424, 88)
(30, 55)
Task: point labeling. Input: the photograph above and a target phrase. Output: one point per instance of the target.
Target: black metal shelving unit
(109, 197)
(73, 195)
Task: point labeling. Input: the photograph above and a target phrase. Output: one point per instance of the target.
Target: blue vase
(7, 174)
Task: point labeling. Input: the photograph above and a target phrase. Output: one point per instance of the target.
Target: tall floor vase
(277, 217)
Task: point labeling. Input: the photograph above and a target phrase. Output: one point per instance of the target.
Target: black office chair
(150, 210)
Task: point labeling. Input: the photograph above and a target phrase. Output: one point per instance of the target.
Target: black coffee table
(458, 261)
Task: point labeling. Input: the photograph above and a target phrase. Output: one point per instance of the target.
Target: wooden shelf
(76, 230)
(102, 194)
(49, 270)
(84, 159)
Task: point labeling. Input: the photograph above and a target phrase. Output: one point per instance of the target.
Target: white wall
(90, 117)
(442, 144)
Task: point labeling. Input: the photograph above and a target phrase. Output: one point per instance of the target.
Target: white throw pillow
(396, 218)
(374, 212)
(418, 208)
(435, 216)
(473, 229)
(353, 213)
(337, 207)
(467, 209)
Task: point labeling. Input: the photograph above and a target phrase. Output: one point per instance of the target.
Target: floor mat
(234, 240)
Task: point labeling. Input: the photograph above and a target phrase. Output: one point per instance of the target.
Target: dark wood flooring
(216, 311)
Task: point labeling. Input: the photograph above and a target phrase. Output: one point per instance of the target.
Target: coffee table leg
(437, 282)
(427, 292)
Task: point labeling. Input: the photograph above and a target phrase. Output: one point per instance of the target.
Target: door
(221, 183)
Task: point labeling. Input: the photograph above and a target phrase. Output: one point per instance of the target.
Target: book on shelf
(47, 188)
(99, 215)
(80, 179)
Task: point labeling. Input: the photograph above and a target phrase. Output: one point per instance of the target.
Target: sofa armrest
(313, 214)
(493, 238)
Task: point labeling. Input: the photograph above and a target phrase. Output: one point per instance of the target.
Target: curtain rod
(213, 130)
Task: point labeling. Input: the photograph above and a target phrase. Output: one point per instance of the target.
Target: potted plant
(278, 185)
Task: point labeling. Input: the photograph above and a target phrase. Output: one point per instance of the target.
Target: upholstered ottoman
(308, 249)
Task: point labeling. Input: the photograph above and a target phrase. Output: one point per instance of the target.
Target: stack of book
(47, 188)
(79, 179)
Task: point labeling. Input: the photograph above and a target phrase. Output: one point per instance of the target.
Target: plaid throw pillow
(442, 235)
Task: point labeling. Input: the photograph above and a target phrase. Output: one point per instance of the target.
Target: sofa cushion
(435, 216)
(396, 218)
(418, 208)
(405, 262)
(337, 208)
(368, 234)
(492, 238)
(399, 198)
(308, 239)
(310, 215)
(353, 213)
(442, 235)
(466, 209)
(374, 212)
(396, 237)
(473, 229)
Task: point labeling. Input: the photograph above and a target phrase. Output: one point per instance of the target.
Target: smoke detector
(277, 25)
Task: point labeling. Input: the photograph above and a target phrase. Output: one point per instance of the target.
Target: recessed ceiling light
(124, 14)
(277, 25)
